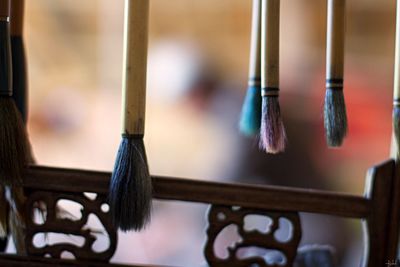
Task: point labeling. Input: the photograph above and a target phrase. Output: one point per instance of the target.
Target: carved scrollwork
(259, 240)
(53, 223)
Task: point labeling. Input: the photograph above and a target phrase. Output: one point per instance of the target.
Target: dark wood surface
(378, 210)
(251, 196)
(378, 189)
(394, 215)
(22, 261)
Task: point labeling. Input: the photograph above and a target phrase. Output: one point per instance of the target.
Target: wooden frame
(378, 209)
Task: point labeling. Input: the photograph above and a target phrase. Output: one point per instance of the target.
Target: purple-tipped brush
(272, 132)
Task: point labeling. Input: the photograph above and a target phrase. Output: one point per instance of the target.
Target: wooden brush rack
(229, 203)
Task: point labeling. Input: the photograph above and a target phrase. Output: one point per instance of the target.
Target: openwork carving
(259, 238)
(70, 228)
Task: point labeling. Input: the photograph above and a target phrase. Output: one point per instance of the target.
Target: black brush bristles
(272, 133)
(396, 128)
(14, 144)
(335, 117)
(131, 188)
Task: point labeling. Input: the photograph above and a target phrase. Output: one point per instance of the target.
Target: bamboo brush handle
(17, 17)
(255, 46)
(396, 89)
(335, 44)
(4, 9)
(270, 47)
(135, 64)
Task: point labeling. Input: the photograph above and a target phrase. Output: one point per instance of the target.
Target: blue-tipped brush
(250, 119)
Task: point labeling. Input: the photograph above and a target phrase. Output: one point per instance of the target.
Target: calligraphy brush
(396, 89)
(335, 117)
(130, 187)
(250, 118)
(272, 133)
(14, 148)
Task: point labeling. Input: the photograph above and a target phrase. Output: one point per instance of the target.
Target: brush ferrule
(132, 136)
(270, 92)
(334, 84)
(254, 82)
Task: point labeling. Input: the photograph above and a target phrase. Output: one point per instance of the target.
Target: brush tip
(250, 118)
(335, 117)
(272, 133)
(130, 188)
(14, 145)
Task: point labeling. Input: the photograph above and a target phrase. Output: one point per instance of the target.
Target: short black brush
(335, 117)
(130, 193)
(272, 133)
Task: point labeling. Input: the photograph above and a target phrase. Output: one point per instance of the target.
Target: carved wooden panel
(261, 239)
(57, 221)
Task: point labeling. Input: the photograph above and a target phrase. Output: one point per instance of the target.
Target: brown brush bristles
(272, 132)
(14, 144)
(396, 128)
(335, 117)
(130, 187)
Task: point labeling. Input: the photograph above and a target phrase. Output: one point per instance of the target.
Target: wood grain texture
(21, 261)
(270, 43)
(375, 226)
(17, 17)
(53, 223)
(221, 217)
(135, 65)
(262, 197)
(394, 215)
(255, 45)
(335, 39)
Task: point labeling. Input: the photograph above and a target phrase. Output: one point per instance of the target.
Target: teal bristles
(250, 118)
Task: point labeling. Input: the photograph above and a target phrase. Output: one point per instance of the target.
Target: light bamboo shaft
(255, 46)
(135, 64)
(17, 17)
(4, 9)
(396, 89)
(335, 39)
(270, 43)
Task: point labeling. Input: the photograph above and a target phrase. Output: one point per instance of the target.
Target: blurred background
(197, 77)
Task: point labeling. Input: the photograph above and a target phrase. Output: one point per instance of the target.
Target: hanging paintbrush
(335, 118)
(14, 154)
(272, 134)
(250, 119)
(16, 195)
(130, 187)
(396, 90)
